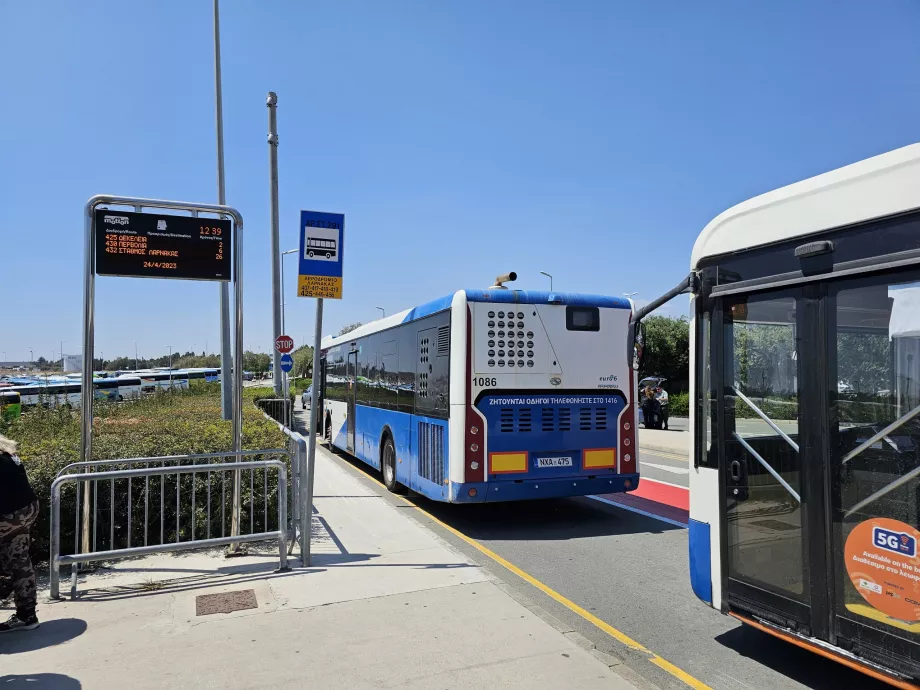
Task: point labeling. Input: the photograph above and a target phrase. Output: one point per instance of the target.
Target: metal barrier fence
(302, 480)
(279, 409)
(126, 527)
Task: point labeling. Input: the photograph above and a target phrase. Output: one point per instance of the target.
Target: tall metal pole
(226, 381)
(272, 103)
(283, 301)
(86, 407)
(311, 436)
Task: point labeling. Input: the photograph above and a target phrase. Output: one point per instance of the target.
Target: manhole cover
(226, 602)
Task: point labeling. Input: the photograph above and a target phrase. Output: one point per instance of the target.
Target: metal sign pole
(315, 383)
(89, 310)
(89, 291)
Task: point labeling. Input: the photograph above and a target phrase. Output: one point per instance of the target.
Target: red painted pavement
(670, 495)
(657, 498)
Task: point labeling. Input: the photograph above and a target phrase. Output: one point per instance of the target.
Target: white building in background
(72, 363)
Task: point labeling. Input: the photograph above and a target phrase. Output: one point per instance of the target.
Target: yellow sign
(327, 287)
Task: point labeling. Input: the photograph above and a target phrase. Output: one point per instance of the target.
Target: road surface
(630, 571)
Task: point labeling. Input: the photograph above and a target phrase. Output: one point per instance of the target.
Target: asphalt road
(631, 572)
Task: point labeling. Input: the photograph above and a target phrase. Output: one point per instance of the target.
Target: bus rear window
(582, 319)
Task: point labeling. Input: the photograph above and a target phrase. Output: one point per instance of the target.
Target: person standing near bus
(661, 395)
(18, 512)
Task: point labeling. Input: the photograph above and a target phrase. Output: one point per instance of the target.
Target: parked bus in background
(204, 375)
(805, 351)
(489, 395)
(160, 380)
(50, 394)
(58, 393)
(10, 404)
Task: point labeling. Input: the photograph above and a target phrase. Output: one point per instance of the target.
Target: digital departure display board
(150, 245)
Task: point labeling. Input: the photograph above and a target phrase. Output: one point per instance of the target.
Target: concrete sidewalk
(387, 604)
(675, 440)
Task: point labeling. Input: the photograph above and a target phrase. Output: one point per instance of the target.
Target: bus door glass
(351, 376)
(874, 381)
(759, 428)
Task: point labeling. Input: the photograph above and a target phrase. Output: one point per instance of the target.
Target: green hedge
(679, 405)
(167, 423)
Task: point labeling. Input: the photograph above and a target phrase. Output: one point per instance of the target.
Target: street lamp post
(283, 300)
(383, 312)
(544, 273)
(170, 365)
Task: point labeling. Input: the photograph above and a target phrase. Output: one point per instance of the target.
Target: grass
(168, 423)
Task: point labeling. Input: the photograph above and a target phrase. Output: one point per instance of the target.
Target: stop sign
(284, 344)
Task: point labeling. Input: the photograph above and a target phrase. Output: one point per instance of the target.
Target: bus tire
(388, 466)
(327, 433)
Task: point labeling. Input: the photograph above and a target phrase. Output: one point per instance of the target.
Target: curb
(662, 449)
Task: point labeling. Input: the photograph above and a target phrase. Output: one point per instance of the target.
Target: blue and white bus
(805, 484)
(63, 392)
(489, 395)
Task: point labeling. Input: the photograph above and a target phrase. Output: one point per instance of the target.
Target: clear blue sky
(592, 140)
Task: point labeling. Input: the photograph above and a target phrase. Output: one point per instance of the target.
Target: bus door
(817, 415)
(874, 464)
(758, 423)
(351, 393)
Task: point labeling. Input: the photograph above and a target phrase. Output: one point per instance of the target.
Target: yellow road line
(621, 637)
(663, 454)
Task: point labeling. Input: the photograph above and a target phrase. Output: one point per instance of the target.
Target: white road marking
(666, 468)
(640, 512)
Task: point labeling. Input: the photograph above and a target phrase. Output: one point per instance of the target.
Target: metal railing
(280, 410)
(302, 481)
(175, 534)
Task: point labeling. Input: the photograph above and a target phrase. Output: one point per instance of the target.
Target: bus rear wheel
(388, 466)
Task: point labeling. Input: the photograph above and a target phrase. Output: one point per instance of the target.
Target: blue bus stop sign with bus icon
(287, 363)
(321, 254)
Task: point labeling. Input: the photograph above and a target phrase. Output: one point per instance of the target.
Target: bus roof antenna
(503, 278)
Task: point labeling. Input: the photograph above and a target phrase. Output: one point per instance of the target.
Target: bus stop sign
(321, 254)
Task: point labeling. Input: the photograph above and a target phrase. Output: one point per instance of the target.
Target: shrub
(679, 404)
(167, 423)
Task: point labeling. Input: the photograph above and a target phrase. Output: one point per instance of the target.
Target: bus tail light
(474, 448)
(628, 450)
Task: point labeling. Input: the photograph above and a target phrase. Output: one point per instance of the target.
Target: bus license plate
(563, 461)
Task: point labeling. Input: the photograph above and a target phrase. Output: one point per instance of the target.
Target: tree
(257, 362)
(667, 351)
(350, 327)
(303, 361)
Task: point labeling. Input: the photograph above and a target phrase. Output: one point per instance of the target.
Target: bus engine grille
(549, 419)
(431, 452)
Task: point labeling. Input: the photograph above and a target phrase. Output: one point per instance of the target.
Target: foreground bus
(804, 490)
(489, 395)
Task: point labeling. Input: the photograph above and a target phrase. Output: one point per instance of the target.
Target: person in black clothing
(18, 511)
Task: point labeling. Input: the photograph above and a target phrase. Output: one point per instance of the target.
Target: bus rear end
(542, 396)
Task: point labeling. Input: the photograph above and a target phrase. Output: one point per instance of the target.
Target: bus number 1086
(484, 381)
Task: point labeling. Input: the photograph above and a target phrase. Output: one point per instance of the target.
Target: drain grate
(225, 602)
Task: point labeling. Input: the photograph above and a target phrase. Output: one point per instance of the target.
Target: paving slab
(385, 604)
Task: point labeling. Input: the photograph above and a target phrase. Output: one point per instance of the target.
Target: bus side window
(705, 454)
